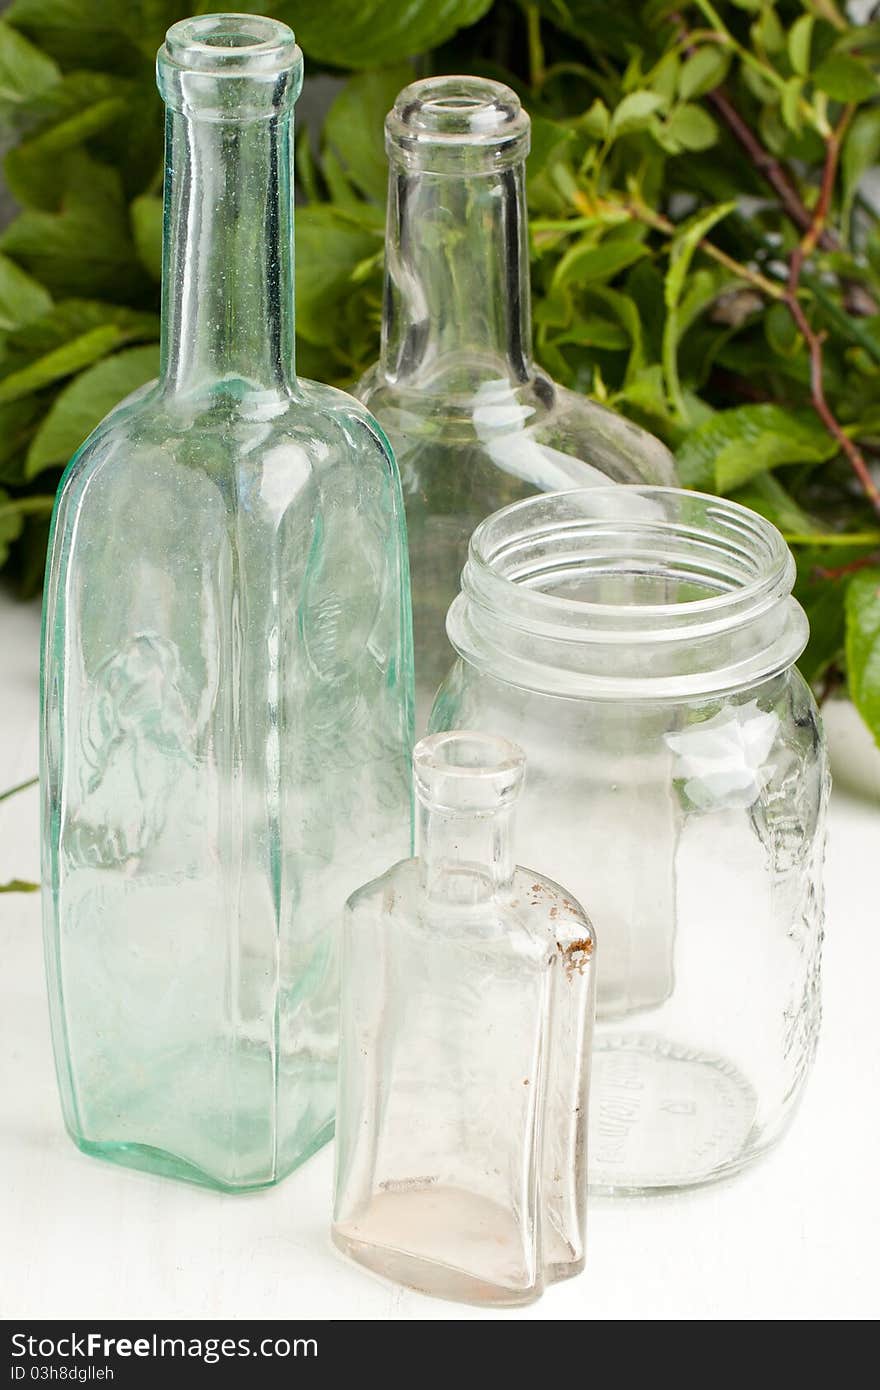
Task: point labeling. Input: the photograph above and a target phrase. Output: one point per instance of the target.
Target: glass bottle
(227, 693)
(475, 424)
(639, 644)
(465, 1025)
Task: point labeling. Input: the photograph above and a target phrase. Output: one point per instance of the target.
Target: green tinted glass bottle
(227, 700)
(474, 422)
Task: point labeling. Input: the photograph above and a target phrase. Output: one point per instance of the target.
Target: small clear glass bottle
(639, 644)
(466, 1017)
(227, 695)
(474, 422)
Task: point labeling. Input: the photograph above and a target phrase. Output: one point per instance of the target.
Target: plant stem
(769, 167)
(537, 70)
(814, 340)
(22, 787)
(663, 224)
(841, 571)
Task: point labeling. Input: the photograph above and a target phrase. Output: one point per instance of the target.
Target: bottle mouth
(229, 66)
(643, 591)
(462, 771)
(455, 124)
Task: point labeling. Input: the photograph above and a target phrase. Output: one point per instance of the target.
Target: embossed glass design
(639, 644)
(465, 1026)
(474, 422)
(227, 696)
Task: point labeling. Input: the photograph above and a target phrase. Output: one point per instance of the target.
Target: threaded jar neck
(628, 592)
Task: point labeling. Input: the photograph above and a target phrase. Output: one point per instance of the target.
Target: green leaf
(22, 298)
(863, 646)
(780, 330)
(586, 264)
(845, 78)
(635, 112)
(329, 248)
(32, 168)
(766, 495)
(549, 141)
(86, 248)
(19, 885)
(596, 122)
(355, 127)
(83, 404)
(861, 153)
(70, 337)
(95, 33)
(146, 224)
(800, 38)
(367, 33)
(703, 71)
(738, 444)
(25, 71)
(791, 104)
(73, 357)
(11, 522)
(691, 127)
(18, 420)
(767, 32)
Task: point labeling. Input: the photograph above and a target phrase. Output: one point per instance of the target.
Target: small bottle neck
(457, 298)
(227, 271)
(466, 785)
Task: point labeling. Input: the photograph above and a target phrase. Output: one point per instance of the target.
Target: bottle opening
(459, 123)
(467, 772)
(229, 66)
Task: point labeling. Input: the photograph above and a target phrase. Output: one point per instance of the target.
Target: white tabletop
(793, 1238)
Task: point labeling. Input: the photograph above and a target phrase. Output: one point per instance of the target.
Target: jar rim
(731, 620)
(777, 573)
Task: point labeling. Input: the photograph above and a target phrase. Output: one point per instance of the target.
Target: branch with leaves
(703, 198)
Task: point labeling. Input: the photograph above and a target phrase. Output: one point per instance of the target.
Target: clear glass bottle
(475, 424)
(465, 1026)
(639, 644)
(227, 695)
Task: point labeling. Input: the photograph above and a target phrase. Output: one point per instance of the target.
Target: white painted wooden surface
(795, 1238)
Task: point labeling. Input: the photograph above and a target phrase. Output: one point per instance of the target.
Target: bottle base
(442, 1224)
(144, 1158)
(664, 1118)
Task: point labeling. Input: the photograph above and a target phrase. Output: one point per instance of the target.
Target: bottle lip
(730, 621)
(457, 124)
(466, 771)
(229, 66)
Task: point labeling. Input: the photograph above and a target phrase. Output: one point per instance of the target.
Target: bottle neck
(466, 858)
(227, 270)
(457, 299)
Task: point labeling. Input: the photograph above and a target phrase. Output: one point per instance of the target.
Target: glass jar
(639, 644)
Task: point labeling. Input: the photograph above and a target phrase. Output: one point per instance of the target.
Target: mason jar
(639, 643)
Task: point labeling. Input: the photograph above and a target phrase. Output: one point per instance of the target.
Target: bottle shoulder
(535, 920)
(551, 436)
(229, 428)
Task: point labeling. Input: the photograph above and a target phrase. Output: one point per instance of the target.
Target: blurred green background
(705, 247)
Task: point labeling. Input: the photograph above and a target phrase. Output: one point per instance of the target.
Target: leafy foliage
(706, 252)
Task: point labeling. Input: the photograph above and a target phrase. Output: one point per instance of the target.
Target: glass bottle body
(227, 587)
(678, 779)
(464, 1067)
(474, 423)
